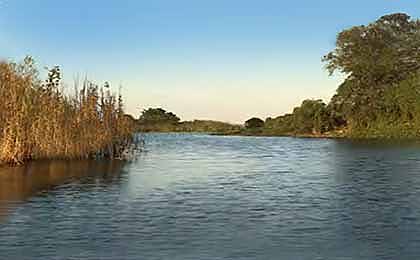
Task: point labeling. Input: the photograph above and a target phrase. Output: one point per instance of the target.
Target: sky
(225, 60)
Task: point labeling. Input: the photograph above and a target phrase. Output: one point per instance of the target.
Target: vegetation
(38, 120)
(380, 96)
(254, 123)
(159, 120)
(253, 126)
(207, 126)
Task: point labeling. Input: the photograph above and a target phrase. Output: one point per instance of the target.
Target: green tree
(254, 123)
(382, 52)
(158, 119)
(281, 125)
(311, 117)
(157, 116)
(374, 58)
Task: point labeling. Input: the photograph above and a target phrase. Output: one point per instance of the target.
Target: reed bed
(39, 121)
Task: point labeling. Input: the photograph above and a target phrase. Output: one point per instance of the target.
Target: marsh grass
(38, 120)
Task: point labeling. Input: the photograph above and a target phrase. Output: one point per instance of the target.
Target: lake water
(214, 197)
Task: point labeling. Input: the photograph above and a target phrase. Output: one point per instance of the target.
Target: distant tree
(158, 116)
(310, 117)
(209, 126)
(158, 120)
(280, 125)
(254, 123)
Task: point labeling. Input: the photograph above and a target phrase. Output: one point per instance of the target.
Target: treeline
(159, 120)
(380, 96)
(312, 117)
(38, 120)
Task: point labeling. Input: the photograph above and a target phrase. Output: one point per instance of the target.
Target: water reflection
(17, 184)
(377, 197)
(211, 197)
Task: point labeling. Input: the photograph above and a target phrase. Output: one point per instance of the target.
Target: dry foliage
(37, 120)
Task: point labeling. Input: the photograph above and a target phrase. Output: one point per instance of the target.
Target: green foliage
(400, 116)
(374, 58)
(380, 96)
(382, 52)
(158, 115)
(254, 123)
(310, 117)
(157, 119)
(207, 126)
(280, 125)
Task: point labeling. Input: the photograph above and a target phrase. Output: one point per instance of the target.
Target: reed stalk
(39, 121)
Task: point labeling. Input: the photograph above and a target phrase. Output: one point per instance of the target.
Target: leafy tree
(281, 125)
(382, 52)
(158, 119)
(310, 117)
(374, 57)
(158, 116)
(254, 123)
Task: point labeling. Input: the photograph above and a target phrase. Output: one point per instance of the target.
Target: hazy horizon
(218, 60)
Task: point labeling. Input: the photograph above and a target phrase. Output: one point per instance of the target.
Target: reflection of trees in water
(377, 190)
(20, 183)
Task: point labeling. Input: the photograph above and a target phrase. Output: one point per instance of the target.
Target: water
(213, 197)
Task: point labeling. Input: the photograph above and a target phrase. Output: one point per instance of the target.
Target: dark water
(208, 197)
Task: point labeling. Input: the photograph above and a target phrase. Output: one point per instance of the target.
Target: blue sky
(208, 59)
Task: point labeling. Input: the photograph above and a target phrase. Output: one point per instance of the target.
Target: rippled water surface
(213, 197)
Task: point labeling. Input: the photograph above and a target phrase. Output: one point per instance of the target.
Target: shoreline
(320, 136)
(329, 135)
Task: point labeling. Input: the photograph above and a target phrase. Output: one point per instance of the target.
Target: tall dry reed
(38, 120)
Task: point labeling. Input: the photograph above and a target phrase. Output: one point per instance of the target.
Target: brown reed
(39, 121)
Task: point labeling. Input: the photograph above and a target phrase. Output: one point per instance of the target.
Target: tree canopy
(253, 123)
(385, 51)
(157, 116)
(160, 120)
(310, 117)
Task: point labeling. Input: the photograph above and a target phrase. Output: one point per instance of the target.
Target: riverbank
(331, 134)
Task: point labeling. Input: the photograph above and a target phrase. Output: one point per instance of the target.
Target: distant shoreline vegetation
(159, 120)
(379, 98)
(39, 121)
